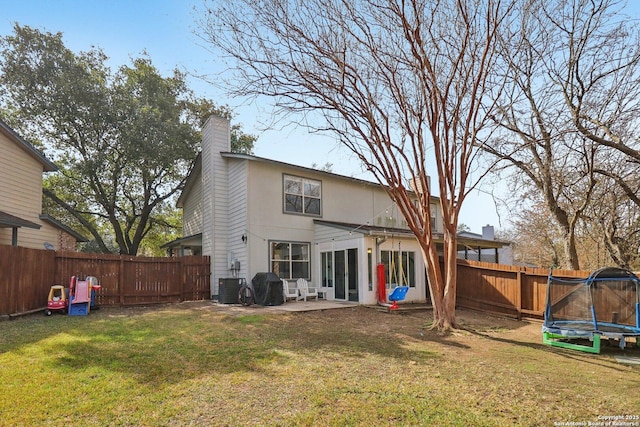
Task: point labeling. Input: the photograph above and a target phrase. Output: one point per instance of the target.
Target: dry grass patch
(196, 364)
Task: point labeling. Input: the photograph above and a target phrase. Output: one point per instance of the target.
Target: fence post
(519, 292)
(121, 281)
(182, 278)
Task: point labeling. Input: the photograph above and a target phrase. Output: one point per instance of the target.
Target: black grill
(267, 288)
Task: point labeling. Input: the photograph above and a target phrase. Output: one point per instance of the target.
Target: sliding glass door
(345, 274)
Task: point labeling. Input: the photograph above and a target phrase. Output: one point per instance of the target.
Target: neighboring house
(252, 215)
(21, 220)
(475, 247)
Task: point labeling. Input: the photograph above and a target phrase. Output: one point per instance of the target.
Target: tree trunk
(616, 253)
(568, 228)
(570, 251)
(443, 297)
(448, 319)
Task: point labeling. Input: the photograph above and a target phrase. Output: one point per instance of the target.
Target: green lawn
(193, 364)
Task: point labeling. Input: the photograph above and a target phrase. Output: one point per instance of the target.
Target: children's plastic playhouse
(82, 295)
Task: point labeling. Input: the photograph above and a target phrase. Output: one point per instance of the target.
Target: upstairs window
(302, 195)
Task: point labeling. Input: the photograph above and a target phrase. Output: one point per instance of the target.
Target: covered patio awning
(14, 222)
(465, 242)
(178, 246)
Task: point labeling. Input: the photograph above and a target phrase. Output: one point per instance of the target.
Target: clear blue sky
(165, 30)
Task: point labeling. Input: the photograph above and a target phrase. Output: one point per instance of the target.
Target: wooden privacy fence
(504, 289)
(26, 276)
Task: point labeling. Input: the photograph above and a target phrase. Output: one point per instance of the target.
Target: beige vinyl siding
(192, 209)
(20, 192)
(343, 200)
(207, 192)
(215, 194)
(266, 217)
(21, 196)
(49, 234)
(332, 234)
(238, 205)
(221, 202)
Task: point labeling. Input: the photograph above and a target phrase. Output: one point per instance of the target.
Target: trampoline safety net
(607, 303)
(568, 301)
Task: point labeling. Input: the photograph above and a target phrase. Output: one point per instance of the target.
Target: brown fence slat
(505, 289)
(26, 275)
(196, 279)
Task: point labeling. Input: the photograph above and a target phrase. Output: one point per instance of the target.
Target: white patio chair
(288, 292)
(324, 290)
(305, 290)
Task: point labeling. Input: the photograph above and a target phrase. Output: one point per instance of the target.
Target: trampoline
(579, 312)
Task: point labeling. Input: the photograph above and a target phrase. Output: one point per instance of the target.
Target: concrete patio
(287, 307)
(313, 305)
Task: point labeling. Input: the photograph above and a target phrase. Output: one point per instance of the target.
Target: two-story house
(22, 222)
(252, 214)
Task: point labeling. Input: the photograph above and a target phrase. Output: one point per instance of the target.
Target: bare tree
(600, 79)
(559, 168)
(574, 81)
(534, 242)
(406, 86)
(601, 86)
(614, 214)
(540, 140)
